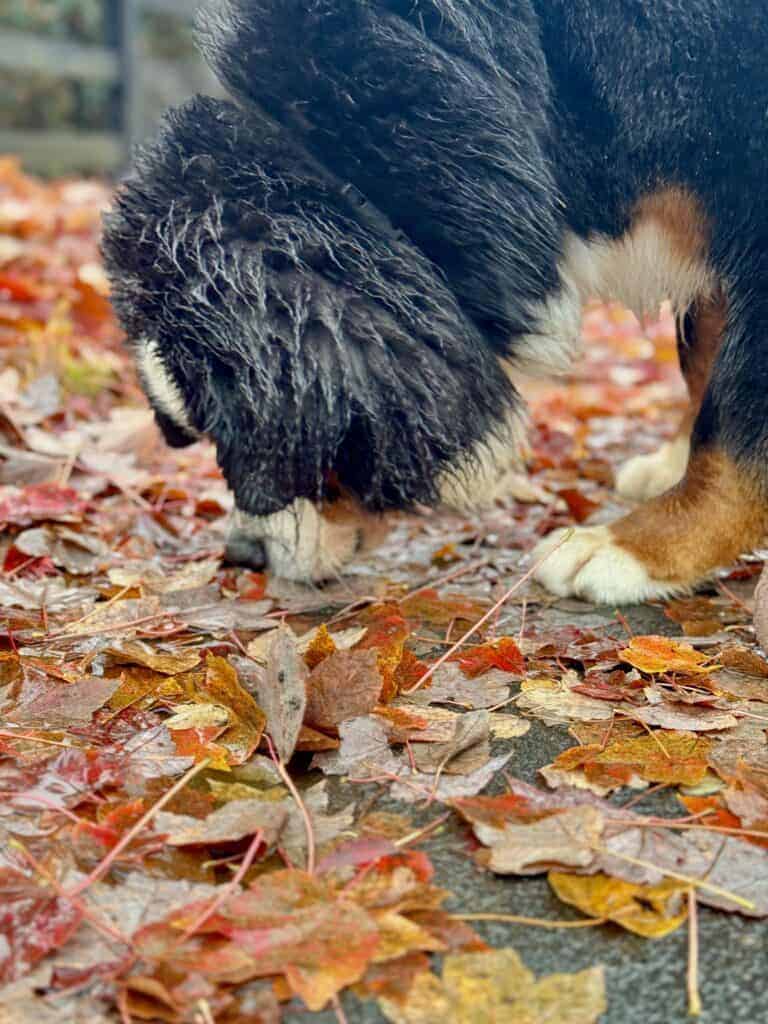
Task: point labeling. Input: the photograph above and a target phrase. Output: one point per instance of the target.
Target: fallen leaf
(566, 837)
(674, 758)
(345, 685)
(168, 662)
(247, 720)
(652, 911)
(281, 691)
(556, 703)
(478, 988)
(503, 654)
(656, 654)
(235, 820)
(467, 750)
(449, 685)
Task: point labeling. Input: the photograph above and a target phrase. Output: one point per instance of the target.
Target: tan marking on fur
(681, 217)
(713, 515)
(662, 255)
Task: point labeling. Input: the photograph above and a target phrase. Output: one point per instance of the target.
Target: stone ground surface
(645, 979)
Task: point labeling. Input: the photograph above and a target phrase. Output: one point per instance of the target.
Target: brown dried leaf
(555, 703)
(467, 750)
(566, 837)
(344, 686)
(281, 690)
(235, 820)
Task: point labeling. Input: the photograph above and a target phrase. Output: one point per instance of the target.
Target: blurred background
(82, 80)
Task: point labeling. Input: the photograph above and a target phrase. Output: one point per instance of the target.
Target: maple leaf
(657, 654)
(40, 502)
(287, 923)
(496, 986)
(503, 654)
(321, 646)
(567, 837)
(675, 758)
(428, 607)
(466, 750)
(33, 921)
(247, 720)
(649, 910)
(167, 662)
(235, 820)
(557, 702)
(345, 685)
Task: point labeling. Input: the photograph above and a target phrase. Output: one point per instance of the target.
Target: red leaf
(503, 654)
(33, 921)
(40, 502)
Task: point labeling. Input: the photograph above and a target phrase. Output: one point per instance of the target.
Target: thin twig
(228, 889)
(104, 865)
(699, 883)
(338, 1009)
(694, 999)
(421, 833)
(299, 803)
(536, 922)
(499, 604)
(447, 578)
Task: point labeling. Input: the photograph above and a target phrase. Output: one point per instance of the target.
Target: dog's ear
(302, 339)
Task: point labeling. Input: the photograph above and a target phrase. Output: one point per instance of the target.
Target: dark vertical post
(122, 26)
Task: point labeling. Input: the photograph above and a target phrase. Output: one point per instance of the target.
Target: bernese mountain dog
(336, 275)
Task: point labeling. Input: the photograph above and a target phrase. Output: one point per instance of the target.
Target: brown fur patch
(681, 217)
(711, 517)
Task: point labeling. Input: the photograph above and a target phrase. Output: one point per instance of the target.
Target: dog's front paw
(592, 564)
(647, 476)
(302, 542)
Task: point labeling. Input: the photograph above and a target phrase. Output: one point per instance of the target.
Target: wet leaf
(477, 988)
(345, 685)
(652, 911)
(502, 654)
(656, 654)
(281, 691)
(675, 758)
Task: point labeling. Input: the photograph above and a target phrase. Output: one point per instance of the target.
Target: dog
(336, 275)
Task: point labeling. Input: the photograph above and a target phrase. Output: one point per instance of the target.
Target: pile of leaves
(191, 755)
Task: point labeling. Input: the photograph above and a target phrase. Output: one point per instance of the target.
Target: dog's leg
(666, 545)
(303, 542)
(717, 511)
(699, 334)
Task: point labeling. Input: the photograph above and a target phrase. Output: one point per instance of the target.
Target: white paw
(647, 476)
(300, 543)
(591, 565)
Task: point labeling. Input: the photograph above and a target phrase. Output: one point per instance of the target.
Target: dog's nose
(245, 551)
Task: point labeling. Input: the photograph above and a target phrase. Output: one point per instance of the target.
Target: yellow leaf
(495, 987)
(649, 910)
(399, 935)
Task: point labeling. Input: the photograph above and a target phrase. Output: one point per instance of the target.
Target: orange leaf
(653, 654)
(675, 758)
(322, 647)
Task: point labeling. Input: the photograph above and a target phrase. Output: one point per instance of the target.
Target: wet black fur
(332, 264)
